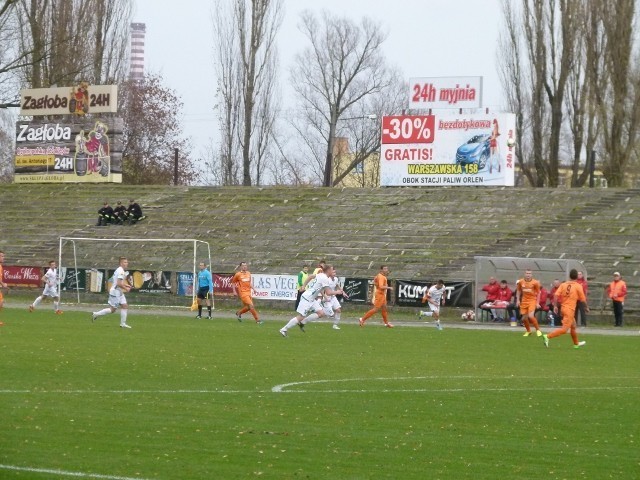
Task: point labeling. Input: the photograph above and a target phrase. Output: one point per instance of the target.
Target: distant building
(136, 67)
(365, 174)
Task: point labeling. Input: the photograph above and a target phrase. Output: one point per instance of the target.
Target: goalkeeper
(205, 290)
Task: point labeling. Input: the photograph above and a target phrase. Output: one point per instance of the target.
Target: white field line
(63, 473)
(287, 387)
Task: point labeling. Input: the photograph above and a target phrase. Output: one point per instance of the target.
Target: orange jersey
(380, 292)
(568, 295)
(528, 291)
(242, 281)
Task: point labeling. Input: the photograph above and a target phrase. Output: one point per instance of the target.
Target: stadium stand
(419, 233)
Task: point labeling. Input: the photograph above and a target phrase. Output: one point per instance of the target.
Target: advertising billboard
(445, 92)
(77, 100)
(448, 150)
(69, 151)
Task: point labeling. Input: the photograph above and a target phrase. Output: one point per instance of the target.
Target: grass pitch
(177, 398)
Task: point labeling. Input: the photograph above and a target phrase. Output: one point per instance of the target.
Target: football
(511, 142)
(469, 316)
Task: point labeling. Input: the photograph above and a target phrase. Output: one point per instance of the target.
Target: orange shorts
(246, 299)
(379, 301)
(568, 317)
(528, 307)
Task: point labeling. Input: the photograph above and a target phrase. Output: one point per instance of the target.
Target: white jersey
(435, 294)
(51, 277)
(119, 274)
(316, 286)
(334, 284)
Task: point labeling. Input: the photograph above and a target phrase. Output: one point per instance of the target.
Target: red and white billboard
(22, 276)
(448, 150)
(445, 92)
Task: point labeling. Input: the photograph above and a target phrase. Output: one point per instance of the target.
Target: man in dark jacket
(105, 215)
(134, 212)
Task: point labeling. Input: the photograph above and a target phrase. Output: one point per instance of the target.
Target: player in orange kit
(379, 297)
(568, 295)
(241, 284)
(528, 300)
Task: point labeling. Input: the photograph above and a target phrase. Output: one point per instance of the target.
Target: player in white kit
(50, 280)
(331, 306)
(119, 287)
(310, 307)
(435, 297)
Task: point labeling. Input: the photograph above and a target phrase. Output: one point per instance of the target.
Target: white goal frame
(195, 243)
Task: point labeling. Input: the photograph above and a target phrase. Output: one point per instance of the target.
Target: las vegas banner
(448, 150)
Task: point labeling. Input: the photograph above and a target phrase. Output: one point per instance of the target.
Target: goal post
(144, 254)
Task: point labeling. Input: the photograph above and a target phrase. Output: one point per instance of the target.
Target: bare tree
(617, 95)
(246, 60)
(75, 40)
(342, 66)
(152, 132)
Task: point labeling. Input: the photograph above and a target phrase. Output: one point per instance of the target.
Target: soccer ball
(511, 142)
(469, 315)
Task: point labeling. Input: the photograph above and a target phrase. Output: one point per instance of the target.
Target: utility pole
(175, 166)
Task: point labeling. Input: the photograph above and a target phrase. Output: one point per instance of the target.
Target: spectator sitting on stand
(105, 215)
(120, 213)
(134, 212)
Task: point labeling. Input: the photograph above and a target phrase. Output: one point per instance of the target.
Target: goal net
(162, 271)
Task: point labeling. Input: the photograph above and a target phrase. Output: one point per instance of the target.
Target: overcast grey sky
(426, 38)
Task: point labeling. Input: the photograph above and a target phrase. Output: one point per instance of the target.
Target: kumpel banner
(77, 151)
(410, 293)
(448, 150)
(275, 287)
(22, 276)
(80, 99)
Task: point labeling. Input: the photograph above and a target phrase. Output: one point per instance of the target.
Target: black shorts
(203, 293)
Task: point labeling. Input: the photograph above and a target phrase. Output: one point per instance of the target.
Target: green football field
(178, 398)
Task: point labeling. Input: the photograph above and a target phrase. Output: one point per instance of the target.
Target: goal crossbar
(73, 240)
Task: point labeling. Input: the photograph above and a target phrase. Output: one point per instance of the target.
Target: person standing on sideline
(568, 295)
(302, 276)
(582, 305)
(2, 284)
(528, 300)
(241, 284)
(119, 286)
(617, 290)
(435, 298)
(205, 289)
(318, 291)
(381, 286)
(50, 280)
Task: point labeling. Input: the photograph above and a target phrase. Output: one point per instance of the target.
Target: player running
(434, 297)
(310, 307)
(528, 300)
(241, 284)
(567, 295)
(331, 306)
(119, 287)
(379, 297)
(50, 280)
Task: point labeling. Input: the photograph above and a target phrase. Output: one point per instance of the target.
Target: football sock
(254, 313)
(336, 318)
(310, 318)
(104, 311)
(199, 310)
(292, 323)
(427, 314)
(534, 320)
(385, 317)
(369, 314)
(56, 305)
(243, 310)
(123, 316)
(37, 301)
(209, 310)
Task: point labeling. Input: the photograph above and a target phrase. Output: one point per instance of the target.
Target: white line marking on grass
(282, 388)
(63, 473)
